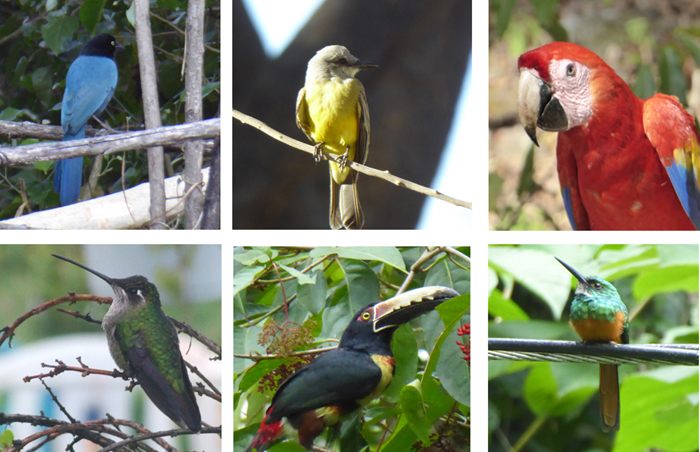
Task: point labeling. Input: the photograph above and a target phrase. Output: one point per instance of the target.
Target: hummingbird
(143, 342)
(599, 315)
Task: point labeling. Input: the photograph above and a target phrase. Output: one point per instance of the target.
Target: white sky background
(453, 178)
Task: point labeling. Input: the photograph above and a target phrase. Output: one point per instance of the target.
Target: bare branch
(84, 371)
(9, 331)
(385, 175)
(194, 62)
(211, 345)
(110, 144)
(151, 110)
(257, 357)
(171, 433)
(124, 210)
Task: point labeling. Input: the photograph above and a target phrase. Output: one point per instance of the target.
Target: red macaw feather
(634, 164)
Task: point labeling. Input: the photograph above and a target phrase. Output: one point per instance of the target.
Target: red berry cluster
(465, 330)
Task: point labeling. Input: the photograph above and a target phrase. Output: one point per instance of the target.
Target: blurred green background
(554, 406)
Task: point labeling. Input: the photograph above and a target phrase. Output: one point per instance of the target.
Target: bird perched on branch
(143, 342)
(90, 83)
(339, 381)
(332, 111)
(599, 315)
(623, 162)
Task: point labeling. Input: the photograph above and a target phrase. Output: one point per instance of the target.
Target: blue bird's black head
(103, 45)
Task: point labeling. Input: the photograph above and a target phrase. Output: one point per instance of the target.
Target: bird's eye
(597, 285)
(366, 315)
(133, 291)
(342, 61)
(571, 70)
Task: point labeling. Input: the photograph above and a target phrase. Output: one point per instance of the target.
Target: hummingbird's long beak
(94, 272)
(582, 279)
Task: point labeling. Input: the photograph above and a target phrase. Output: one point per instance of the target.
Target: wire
(601, 353)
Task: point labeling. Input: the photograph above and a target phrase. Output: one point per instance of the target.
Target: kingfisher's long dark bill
(573, 271)
(94, 272)
(409, 305)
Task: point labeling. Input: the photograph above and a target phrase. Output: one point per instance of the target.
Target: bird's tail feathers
(345, 210)
(609, 397)
(266, 435)
(68, 179)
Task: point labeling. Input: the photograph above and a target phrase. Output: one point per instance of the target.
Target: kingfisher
(143, 342)
(341, 380)
(599, 315)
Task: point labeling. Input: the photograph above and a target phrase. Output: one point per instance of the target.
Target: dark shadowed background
(422, 49)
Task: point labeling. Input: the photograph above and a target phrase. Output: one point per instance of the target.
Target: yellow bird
(332, 111)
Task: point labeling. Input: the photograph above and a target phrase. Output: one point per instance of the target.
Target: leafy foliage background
(345, 280)
(40, 39)
(554, 406)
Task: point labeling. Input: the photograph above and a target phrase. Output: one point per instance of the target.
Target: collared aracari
(339, 381)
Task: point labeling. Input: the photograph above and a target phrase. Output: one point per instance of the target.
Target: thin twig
(428, 254)
(258, 357)
(9, 331)
(385, 175)
(171, 433)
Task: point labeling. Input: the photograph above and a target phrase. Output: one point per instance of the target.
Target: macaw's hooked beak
(581, 279)
(107, 279)
(409, 305)
(537, 107)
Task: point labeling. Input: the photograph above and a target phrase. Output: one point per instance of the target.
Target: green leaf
(388, 254)
(540, 391)
(644, 86)
(671, 72)
(249, 257)
(527, 183)
(42, 85)
(245, 277)
(130, 14)
(536, 270)
(301, 277)
(505, 309)
(452, 369)
(411, 403)
(405, 351)
(313, 296)
(503, 10)
(669, 279)
(91, 13)
(6, 438)
(255, 372)
(362, 284)
(447, 273)
(662, 408)
(10, 114)
(58, 30)
(44, 167)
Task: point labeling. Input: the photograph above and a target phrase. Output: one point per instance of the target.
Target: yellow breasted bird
(332, 111)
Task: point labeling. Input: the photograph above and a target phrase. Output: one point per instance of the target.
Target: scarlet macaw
(623, 162)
